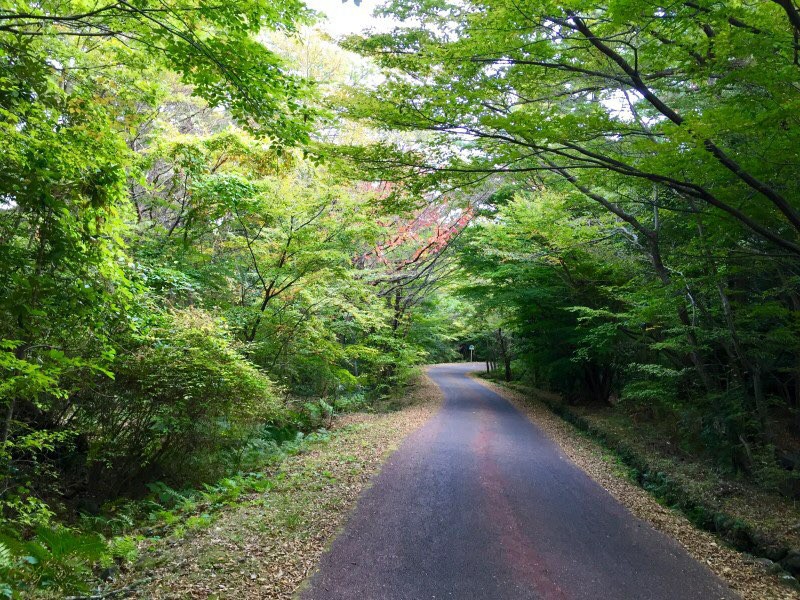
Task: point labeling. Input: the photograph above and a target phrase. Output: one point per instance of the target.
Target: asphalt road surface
(479, 504)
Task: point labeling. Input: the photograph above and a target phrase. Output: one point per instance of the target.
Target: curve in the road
(479, 504)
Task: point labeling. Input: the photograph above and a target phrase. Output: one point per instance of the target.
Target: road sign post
(471, 350)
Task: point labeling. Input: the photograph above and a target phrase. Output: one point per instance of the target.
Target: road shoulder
(746, 576)
(268, 543)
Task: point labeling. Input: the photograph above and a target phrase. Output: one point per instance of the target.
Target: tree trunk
(504, 354)
(683, 315)
(743, 364)
(7, 422)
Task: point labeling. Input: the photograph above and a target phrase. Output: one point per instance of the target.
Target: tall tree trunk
(683, 315)
(504, 354)
(742, 362)
(795, 400)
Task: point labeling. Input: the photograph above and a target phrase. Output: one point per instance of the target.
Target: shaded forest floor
(265, 544)
(775, 517)
(604, 446)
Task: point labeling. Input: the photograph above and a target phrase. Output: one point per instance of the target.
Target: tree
(677, 125)
(78, 95)
(642, 94)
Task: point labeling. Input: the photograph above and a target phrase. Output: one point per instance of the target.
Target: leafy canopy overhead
(698, 99)
(215, 47)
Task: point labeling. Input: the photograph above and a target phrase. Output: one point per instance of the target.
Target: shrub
(54, 559)
(181, 395)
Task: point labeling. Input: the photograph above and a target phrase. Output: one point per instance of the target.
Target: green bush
(180, 397)
(57, 559)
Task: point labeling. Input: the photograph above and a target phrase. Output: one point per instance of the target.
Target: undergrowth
(57, 560)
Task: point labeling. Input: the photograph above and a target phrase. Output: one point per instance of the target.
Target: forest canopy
(641, 243)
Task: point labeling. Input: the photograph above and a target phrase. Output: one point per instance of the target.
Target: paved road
(479, 504)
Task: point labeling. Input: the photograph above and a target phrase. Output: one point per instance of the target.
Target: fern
(64, 542)
(6, 558)
(166, 495)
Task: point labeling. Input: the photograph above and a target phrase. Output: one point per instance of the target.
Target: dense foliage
(642, 242)
(184, 287)
(217, 230)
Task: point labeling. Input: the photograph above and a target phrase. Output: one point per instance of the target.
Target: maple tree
(645, 246)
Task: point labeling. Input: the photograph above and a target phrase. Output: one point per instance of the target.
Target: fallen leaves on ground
(266, 545)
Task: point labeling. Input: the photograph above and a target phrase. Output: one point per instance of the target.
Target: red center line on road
(518, 552)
